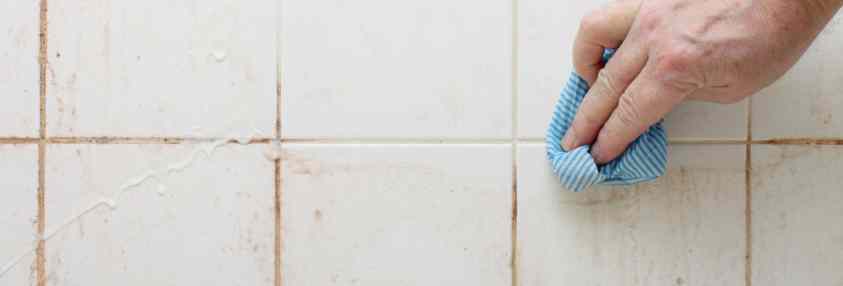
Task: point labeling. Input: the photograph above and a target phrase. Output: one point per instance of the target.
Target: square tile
(396, 215)
(159, 215)
(686, 228)
(199, 69)
(546, 33)
(19, 75)
(808, 100)
(18, 213)
(796, 212)
(706, 120)
(396, 69)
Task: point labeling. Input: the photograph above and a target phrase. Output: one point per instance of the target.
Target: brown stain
(801, 141)
(278, 222)
(40, 250)
(301, 165)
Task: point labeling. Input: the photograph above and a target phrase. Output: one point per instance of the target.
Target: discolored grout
(384, 141)
(278, 222)
(152, 140)
(40, 250)
(748, 190)
(19, 140)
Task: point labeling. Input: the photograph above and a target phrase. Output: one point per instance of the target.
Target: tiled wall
(371, 142)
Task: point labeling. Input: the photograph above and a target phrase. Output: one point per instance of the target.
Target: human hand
(669, 51)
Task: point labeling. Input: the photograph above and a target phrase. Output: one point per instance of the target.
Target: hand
(674, 50)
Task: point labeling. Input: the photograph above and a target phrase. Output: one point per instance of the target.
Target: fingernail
(597, 154)
(569, 141)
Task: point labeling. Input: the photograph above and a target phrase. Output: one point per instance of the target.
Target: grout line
(748, 190)
(385, 141)
(278, 222)
(278, 135)
(151, 140)
(40, 250)
(514, 103)
(397, 141)
(19, 140)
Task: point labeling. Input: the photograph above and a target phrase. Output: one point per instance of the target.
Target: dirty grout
(40, 249)
(748, 196)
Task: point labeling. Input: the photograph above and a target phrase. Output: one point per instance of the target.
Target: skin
(670, 51)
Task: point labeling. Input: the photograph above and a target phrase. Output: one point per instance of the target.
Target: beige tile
(796, 215)
(18, 213)
(161, 68)
(180, 215)
(19, 87)
(686, 228)
(397, 215)
(396, 69)
(808, 100)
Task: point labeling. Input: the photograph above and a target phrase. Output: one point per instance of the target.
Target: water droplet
(219, 56)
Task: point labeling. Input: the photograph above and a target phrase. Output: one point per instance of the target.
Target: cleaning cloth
(643, 160)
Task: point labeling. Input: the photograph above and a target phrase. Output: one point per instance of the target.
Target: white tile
(686, 228)
(546, 33)
(396, 215)
(180, 216)
(796, 215)
(161, 68)
(808, 100)
(19, 73)
(397, 69)
(706, 120)
(18, 213)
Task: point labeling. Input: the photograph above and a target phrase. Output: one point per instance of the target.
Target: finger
(603, 28)
(645, 102)
(603, 96)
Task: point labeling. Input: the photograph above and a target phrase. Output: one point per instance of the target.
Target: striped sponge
(643, 160)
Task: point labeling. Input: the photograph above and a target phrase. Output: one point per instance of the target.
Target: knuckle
(593, 20)
(628, 113)
(609, 82)
(681, 66)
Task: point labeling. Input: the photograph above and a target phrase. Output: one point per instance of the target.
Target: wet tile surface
(686, 228)
(178, 214)
(396, 215)
(424, 69)
(796, 208)
(18, 214)
(195, 71)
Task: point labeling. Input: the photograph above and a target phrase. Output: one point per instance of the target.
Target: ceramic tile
(396, 215)
(18, 213)
(686, 228)
(546, 33)
(706, 120)
(19, 73)
(178, 215)
(796, 229)
(808, 100)
(198, 69)
(396, 69)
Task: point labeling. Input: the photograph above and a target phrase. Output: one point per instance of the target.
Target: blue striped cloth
(643, 160)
